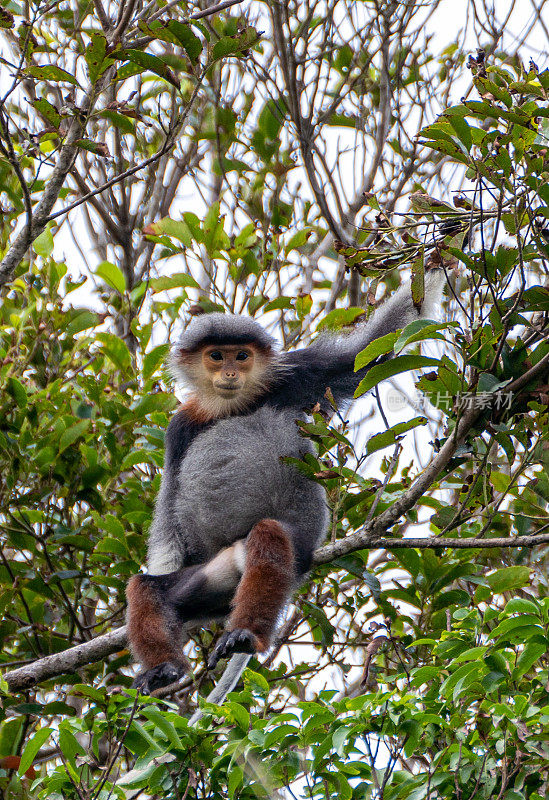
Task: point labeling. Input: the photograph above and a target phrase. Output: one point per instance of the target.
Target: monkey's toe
(240, 640)
(156, 677)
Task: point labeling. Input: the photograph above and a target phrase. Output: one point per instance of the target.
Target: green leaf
(179, 229)
(464, 675)
(522, 606)
(461, 127)
(71, 434)
(17, 391)
(298, 240)
(532, 652)
(340, 736)
(112, 275)
(110, 523)
(418, 331)
(82, 321)
(161, 721)
(418, 281)
(51, 72)
(97, 695)
(240, 714)
(339, 318)
(154, 402)
(95, 56)
(44, 457)
(185, 36)
(47, 110)
(303, 305)
(509, 578)
(424, 674)
(256, 681)
(98, 148)
(319, 617)
(43, 244)
(153, 359)
(120, 121)
(116, 350)
(151, 63)
(343, 121)
(33, 746)
(180, 279)
(255, 303)
(236, 779)
(215, 238)
(379, 347)
(69, 745)
(235, 45)
(393, 434)
(280, 303)
(395, 366)
(512, 623)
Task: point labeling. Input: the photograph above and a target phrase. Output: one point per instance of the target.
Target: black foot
(156, 677)
(240, 640)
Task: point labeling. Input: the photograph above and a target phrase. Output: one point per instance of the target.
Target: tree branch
(67, 661)
(360, 541)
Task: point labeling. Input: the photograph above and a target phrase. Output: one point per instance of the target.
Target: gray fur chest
(232, 476)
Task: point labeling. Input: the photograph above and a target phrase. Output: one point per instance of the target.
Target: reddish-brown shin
(148, 632)
(267, 581)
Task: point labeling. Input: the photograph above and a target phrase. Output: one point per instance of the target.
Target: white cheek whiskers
(262, 377)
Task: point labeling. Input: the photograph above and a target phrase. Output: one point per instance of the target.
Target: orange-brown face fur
(227, 378)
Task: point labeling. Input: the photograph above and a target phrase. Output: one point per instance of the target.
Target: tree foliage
(158, 160)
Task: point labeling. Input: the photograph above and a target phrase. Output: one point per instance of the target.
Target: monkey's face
(228, 378)
(229, 368)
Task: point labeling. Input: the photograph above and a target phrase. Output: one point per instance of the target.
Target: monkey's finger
(240, 640)
(156, 677)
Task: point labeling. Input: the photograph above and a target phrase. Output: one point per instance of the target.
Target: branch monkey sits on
(235, 527)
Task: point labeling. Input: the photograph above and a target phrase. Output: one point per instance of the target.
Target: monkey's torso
(223, 478)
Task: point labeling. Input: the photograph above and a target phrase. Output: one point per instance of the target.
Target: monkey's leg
(151, 632)
(268, 579)
(159, 605)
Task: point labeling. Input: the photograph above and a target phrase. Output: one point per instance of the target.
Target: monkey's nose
(230, 375)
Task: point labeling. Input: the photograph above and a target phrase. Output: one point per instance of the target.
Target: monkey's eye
(242, 355)
(216, 355)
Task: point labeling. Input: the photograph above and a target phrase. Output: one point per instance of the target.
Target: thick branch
(362, 540)
(67, 661)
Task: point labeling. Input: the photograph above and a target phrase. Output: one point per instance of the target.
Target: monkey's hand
(241, 640)
(156, 677)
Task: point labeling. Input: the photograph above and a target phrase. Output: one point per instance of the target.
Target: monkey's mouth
(231, 389)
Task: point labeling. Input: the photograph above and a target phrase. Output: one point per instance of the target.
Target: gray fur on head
(223, 329)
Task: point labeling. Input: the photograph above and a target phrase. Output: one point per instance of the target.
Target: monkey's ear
(196, 310)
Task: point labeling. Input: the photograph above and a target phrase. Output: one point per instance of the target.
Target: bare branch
(207, 12)
(352, 543)
(60, 663)
(101, 13)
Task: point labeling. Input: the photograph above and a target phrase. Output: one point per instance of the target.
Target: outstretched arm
(329, 361)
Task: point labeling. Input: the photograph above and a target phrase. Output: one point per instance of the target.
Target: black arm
(329, 361)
